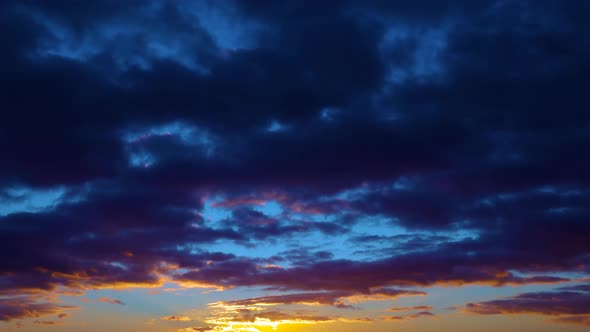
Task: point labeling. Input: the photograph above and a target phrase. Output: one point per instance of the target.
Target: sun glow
(258, 318)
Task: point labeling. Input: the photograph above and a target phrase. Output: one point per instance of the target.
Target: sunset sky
(313, 166)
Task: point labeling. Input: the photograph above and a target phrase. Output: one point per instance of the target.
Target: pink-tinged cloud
(46, 322)
(443, 267)
(20, 307)
(567, 304)
(340, 299)
(107, 299)
(291, 203)
(419, 307)
(409, 317)
(239, 201)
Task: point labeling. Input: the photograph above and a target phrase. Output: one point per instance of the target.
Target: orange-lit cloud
(270, 312)
(46, 322)
(196, 329)
(177, 318)
(269, 319)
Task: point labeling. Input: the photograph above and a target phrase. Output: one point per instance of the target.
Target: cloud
(23, 306)
(340, 299)
(408, 317)
(196, 329)
(244, 317)
(420, 269)
(419, 307)
(176, 318)
(564, 305)
(46, 322)
(107, 299)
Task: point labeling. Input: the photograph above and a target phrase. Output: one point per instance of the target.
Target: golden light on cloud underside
(257, 318)
(259, 324)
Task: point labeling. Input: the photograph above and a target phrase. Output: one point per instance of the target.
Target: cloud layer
(570, 305)
(331, 153)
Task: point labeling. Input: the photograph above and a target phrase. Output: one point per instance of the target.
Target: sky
(294, 165)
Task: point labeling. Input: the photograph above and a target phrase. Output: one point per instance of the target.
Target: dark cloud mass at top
(462, 125)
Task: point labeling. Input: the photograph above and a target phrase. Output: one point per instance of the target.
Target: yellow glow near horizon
(258, 318)
(262, 324)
